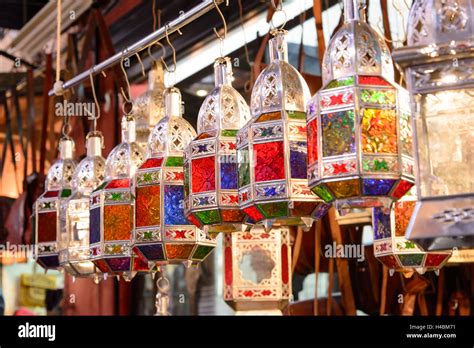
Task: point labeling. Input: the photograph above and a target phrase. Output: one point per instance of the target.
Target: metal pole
(173, 26)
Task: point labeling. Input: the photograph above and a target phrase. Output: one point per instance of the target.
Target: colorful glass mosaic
(272, 146)
(393, 249)
(361, 114)
(161, 232)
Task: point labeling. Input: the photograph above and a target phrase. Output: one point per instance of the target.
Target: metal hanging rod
(157, 35)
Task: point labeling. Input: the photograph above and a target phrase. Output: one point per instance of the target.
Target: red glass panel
(102, 265)
(434, 260)
(389, 261)
(269, 161)
(284, 264)
(152, 163)
(47, 227)
(313, 141)
(118, 183)
(228, 265)
(140, 264)
(341, 98)
(254, 213)
(117, 222)
(203, 174)
(147, 206)
(194, 220)
(50, 194)
(373, 80)
(402, 188)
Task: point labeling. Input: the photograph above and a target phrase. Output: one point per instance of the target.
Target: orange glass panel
(117, 222)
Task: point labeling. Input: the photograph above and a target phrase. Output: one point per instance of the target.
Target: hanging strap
(30, 132)
(330, 287)
(440, 293)
(318, 17)
(8, 137)
(383, 291)
(48, 84)
(19, 120)
(386, 24)
(317, 264)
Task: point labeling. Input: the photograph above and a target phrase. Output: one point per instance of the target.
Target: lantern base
(443, 223)
(255, 307)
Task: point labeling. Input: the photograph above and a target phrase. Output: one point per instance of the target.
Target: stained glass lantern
(439, 65)
(89, 174)
(359, 127)
(212, 199)
(148, 108)
(271, 147)
(393, 249)
(111, 208)
(257, 270)
(49, 206)
(162, 233)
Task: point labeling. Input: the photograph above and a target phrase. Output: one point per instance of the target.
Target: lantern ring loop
(163, 284)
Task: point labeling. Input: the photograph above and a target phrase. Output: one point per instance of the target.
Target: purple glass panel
(228, 172)
(377, 187)
(174, 213)
(119, 264)
(381, 223)
(49, 261)
(152, 252)
(298, 155)
(94, 224)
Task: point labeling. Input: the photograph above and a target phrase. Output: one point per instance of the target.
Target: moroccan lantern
(210, 164)
(89, 174)
(49, 206)
(359, 126)
(393, 249)
(111, 208)
(271, 147)
(438, 63)
(257, 270)
(161, 232)
(148, 107)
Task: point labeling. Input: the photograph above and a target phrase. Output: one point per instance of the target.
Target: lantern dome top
(125, 158)
(148, 107)
(432, 22)
(90, 171)
(61, 172)
(172, 133)
(224, 107)
(279, 86)
(356, 48)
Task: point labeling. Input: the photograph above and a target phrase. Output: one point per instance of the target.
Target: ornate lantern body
(89, 174)
(111, 208)
(257, 270)
(161, 232)
(148, 108)
(393, 249)
(51, 205)
(439, 65)
(273, 185)
(211, 159)
(359, 128)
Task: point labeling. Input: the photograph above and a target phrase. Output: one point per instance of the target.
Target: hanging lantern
(89, 174)
(148, 108)
(393, 249)
(359, 127)
(438, 63)
(48, 207)
(273, 185)
(211, 159)
(111, 208)
(161, 231)
(257, 270)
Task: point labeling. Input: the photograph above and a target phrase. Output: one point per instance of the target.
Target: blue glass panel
(228, 172)
(298, 155)
(49, 261)
(94, 224)
(174, 214)
(381, 222)
(377, 187)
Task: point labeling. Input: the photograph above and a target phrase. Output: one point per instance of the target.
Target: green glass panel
(411, 259)
(375, 96)
(147, 177)
(202, 251)
(323, 193)
(347, 81)
(66, 193)
(229, 133)
(174, 162)
(116, 196)
(274, 210)
(186, 179)
(208, 217)
(244, 167)
(297, 115)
